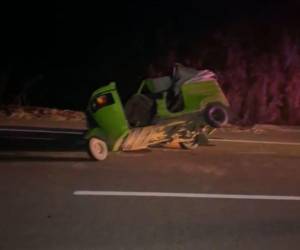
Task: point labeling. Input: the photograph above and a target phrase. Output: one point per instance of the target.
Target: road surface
(158, 199)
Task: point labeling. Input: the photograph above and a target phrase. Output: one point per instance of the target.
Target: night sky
(69, 49)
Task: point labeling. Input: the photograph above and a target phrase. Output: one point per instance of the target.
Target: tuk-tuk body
(109, 121)
(162, 110)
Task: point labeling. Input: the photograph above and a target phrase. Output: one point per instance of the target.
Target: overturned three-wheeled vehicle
(183, 108)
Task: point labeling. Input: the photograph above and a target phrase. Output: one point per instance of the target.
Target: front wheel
(98, 149)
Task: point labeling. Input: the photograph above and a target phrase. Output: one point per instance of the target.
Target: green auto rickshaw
(184, 107)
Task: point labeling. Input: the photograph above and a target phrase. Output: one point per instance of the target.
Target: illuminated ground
(39, 210)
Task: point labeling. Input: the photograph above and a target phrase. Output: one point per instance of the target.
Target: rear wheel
(189, 145)
(200, 139)
(98, 149)
(216, 115)
(192, 144)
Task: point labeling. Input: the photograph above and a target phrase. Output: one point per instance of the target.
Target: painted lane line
(257, 142)
(186, 195)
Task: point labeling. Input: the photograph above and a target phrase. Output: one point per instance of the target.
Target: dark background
(62, 51)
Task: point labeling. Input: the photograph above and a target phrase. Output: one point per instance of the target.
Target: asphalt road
(40, 211)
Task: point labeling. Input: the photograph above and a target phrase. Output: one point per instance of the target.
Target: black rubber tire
(189, 145)
(216, 115)
(140, 110)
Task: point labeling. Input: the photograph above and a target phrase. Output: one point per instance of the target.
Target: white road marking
(42, 131)
(187, 195)
(255, 153)
(278, 128)
(257, 142)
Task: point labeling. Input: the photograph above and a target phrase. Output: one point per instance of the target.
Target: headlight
(101, 101)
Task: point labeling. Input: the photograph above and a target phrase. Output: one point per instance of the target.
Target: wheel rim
(98, 149)
(190, 145)
(218, 116)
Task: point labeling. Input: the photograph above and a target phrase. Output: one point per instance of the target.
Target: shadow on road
(55, 150)
(16, 158)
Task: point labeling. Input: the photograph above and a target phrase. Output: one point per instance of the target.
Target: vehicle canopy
(185, 90)
(180, 75)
